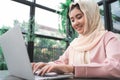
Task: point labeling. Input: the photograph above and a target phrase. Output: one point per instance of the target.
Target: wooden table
(4, 75)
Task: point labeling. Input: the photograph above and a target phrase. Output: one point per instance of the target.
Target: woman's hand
(58, 68)
(37, 66)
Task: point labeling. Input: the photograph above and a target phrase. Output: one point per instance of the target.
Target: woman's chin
(80, 32)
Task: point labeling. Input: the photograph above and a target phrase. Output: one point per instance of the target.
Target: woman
(95, 53)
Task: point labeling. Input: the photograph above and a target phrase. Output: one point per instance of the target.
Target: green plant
(3, 29)
(64, 15)
(47, 49)
(3, 65)
(31, 30)
(65, 22)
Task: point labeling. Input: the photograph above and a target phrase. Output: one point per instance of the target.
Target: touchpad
(50, 74)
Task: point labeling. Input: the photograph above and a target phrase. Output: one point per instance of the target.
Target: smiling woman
(94, 53)
(77, 18)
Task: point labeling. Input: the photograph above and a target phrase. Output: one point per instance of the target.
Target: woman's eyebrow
(79, 14)
(71, 18)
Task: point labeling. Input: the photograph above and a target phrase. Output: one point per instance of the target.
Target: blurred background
(45, 25)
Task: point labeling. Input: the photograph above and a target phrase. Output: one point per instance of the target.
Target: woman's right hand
(37, 66)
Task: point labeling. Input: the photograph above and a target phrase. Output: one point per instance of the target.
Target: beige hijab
(93, 29)
(93, 32)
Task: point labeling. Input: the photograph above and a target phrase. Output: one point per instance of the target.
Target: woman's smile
(77, 20)
(79, 29)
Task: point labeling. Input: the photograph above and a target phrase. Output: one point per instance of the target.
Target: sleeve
(110, 66)
(63, 59)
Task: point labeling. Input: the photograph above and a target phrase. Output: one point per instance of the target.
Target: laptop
(16, 56)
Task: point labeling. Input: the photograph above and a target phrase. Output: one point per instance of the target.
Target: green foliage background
(65, 26)
(3, 65)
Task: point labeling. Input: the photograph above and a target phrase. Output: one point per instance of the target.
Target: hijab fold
(93, 28)
(93, 32)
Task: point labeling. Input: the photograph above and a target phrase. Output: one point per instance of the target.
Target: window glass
(102, 13)
(47, 23)
(48, 49)
(115, 7)
(30, 0)
(97, 0)
(94, 0)
(54, 4)
(11, 11)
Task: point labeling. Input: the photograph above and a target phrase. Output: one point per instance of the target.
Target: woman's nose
(76, 23)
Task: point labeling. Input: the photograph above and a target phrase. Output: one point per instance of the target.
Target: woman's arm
(110, 67)
(58, 66)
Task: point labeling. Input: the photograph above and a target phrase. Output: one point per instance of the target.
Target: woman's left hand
(58, 68)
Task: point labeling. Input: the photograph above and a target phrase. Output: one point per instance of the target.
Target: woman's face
(77, 20)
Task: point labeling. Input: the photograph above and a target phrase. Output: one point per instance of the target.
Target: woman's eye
(79, 17)
(72, 20)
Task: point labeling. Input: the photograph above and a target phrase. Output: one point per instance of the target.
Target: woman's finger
(44, 70)
(38, 66)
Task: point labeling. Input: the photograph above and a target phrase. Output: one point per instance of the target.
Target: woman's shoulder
(109, 35)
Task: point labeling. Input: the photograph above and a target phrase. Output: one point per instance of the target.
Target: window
(10, 14)
(54, 4)
(48, 23)
(47, 49)
(11, 11)
(30, 0)
(115, 7)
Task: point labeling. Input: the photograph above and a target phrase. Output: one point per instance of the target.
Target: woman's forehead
(75, 13)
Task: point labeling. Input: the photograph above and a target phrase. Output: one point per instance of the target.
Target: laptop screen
(15, 53)
(16, 56)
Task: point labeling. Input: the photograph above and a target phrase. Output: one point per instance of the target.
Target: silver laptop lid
(15, 54)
